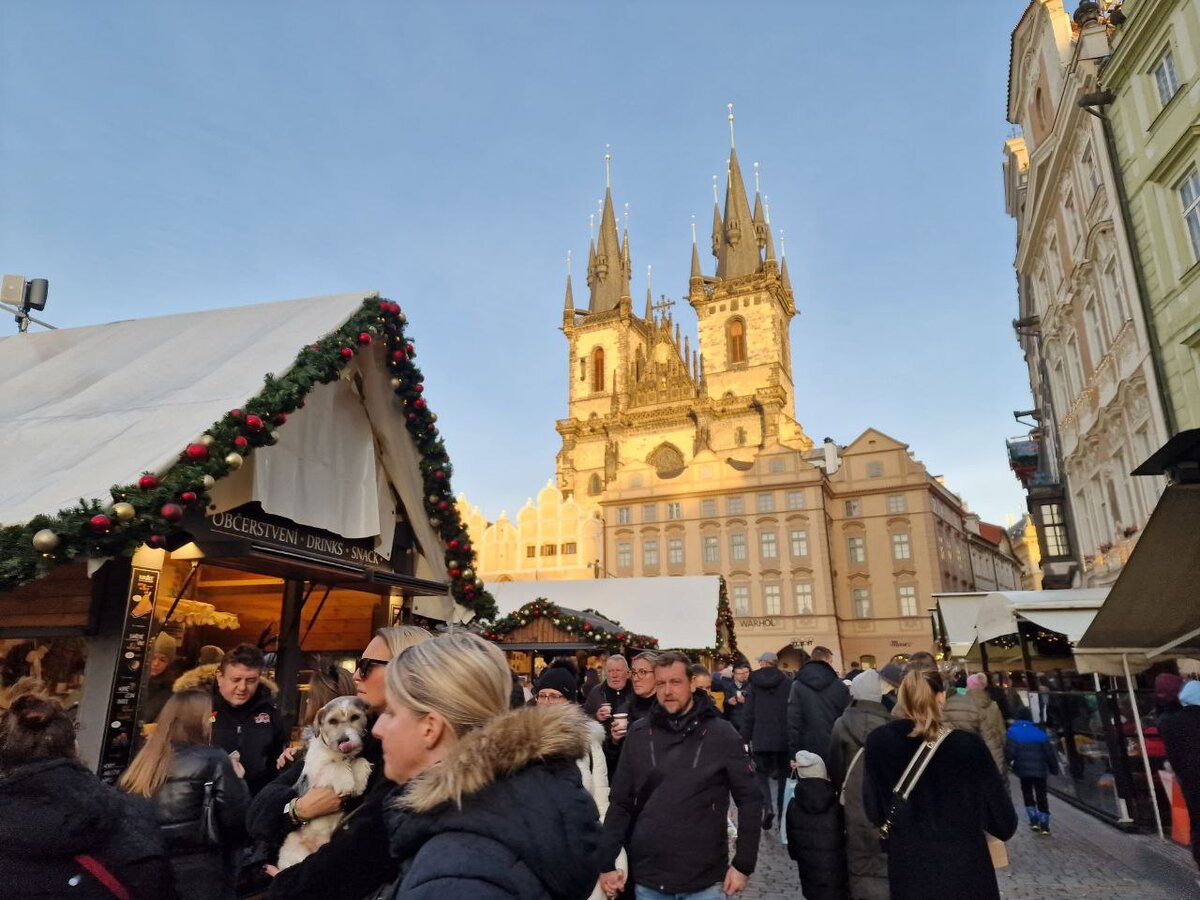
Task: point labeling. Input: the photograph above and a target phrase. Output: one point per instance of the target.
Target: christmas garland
(149, 510)
(613, 641)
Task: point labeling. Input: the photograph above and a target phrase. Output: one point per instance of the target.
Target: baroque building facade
(681, 460)
(1097, 410)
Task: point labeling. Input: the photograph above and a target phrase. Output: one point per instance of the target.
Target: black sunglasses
(365, 663)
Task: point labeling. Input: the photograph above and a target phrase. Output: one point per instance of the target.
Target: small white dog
(332, 760)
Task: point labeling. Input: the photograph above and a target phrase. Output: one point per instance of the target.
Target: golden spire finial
(767, 208)
(592, 226)
(649, 277)
(756, 178)
(568, 263)
(627, 216)
(693, 229)
(607, 166)
(715, 200)
(731, 142)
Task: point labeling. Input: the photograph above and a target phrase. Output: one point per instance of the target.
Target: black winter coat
(735, 713)
(815, 841)
(765, 722)
(256, 729)
(670, 797)
(1181, 733)
(203, 871)
(53, 811)
(817, 698)
(938, 844)
(526, 829)
(865, 860)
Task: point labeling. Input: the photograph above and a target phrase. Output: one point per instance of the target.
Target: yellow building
(690, 461)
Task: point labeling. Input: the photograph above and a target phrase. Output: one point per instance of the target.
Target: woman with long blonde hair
(491, 801)
(199, 795)
(937, 839)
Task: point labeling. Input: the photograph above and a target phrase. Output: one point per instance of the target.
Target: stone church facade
(687, 461)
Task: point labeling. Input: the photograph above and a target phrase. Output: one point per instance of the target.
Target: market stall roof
(680, 611)
(1153, 610)
(996, 613)
(86, 408)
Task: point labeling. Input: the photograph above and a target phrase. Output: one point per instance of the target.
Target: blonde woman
(937, 839)
(355, 862)
(491, 807)
(183, 774)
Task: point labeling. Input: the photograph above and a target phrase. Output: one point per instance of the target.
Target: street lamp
(20, 296)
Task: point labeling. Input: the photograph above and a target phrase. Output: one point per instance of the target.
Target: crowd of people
(653, 778)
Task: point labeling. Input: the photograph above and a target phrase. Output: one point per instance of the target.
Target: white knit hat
(809, 765)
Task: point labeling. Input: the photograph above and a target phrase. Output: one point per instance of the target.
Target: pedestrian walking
(670, 794)
(491, 805)
(163, 673)
(889, 678)
(866, 862)
(1181, 734)
(608, 698)
(937, 841)
(764, 728)
(853, 672)
(199, 797)
(356, 861)
(737, 693)
(816, 700)
(632, 707)
(814, 831)
(245, 718)
(977, 712)
(63, 832)
(1033, 759)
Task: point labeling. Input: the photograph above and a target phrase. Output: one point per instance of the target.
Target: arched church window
(598, 369)
(594, 485)
(736, 330)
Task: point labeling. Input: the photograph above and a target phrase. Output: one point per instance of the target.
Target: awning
(1153, 610)
(958, 612)
(987, 615)
(679, 611)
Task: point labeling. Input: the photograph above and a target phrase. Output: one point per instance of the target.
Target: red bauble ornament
(453, 545)
(280, 418)
(397, 356)
(587, 627)
(254, 423)
(466, 548)
(384, 306)
(240, 442)
(412, 417)
(347, 353)
(394, 308)
(147, 482)
(188, 497)
(418, 403)
(419, 388)
(172, 512)
(100, 524)
(410, 350)
(454, 573)
(236, 414)
(363, 339)
(196, 452)
(443, 505)
(156, 541)
(314, 346)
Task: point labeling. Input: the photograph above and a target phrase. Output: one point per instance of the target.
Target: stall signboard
(121, 723)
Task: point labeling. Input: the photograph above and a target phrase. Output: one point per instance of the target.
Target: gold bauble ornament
(234, 460)
(208, 481)
(45, 541)
(124, 511)
(207, 440)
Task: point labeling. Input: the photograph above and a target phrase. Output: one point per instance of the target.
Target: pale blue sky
(163, 157)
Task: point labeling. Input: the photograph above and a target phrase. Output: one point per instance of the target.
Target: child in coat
(1033, 759)
(815, 838)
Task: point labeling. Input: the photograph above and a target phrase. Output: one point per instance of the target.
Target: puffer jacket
(1029, 750)
(991, 726)
(817, 698)
(503, 817)
(55, 811)
(814, 832)
(865, 859)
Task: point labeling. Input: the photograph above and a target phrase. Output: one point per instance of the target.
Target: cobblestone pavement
(1085, 859)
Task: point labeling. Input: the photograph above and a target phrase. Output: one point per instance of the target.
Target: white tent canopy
(993, 614)
(680, 611)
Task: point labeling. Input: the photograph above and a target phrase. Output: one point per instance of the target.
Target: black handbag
(210, 830)
(908, 781)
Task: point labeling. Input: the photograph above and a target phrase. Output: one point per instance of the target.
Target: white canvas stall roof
(1153, 610)
(680, 611)
(1067, 612)
(958, 615)
(86, 408)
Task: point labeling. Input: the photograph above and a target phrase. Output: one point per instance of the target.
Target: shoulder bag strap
(849, 770)
(101, 873)
(917, 765)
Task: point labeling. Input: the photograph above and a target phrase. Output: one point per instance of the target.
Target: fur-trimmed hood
(204, 678)
(505, 745)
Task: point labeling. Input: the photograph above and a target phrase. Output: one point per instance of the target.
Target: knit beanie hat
(892, 673)
(210, 655)
(1190, 695)
(558, 679)
(1167, 688)
(809, 765)
(166, 645)
(977, 682)
(866, 687)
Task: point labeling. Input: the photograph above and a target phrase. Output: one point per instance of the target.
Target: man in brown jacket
(977, 713)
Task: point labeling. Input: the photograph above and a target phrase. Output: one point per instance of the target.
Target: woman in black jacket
(62, 830)
(937, 841)
(199, 795)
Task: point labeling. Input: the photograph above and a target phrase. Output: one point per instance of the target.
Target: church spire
(718, 228)
(569, 302)
(649, 300)
(738, 251)
(611, 276)
(696, 273)
(783, 272)
(761, 228)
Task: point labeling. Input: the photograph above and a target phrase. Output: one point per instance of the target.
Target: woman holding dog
(356, 861)
(199, 795)
(491, 806)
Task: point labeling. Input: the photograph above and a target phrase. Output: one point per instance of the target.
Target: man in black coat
(765, 729)
(245, 718)
(668, 801)
(737, 692)
(818, 697)
(1181, 734)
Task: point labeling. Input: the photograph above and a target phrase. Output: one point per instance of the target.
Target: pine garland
(613, 641)
(149, 511)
